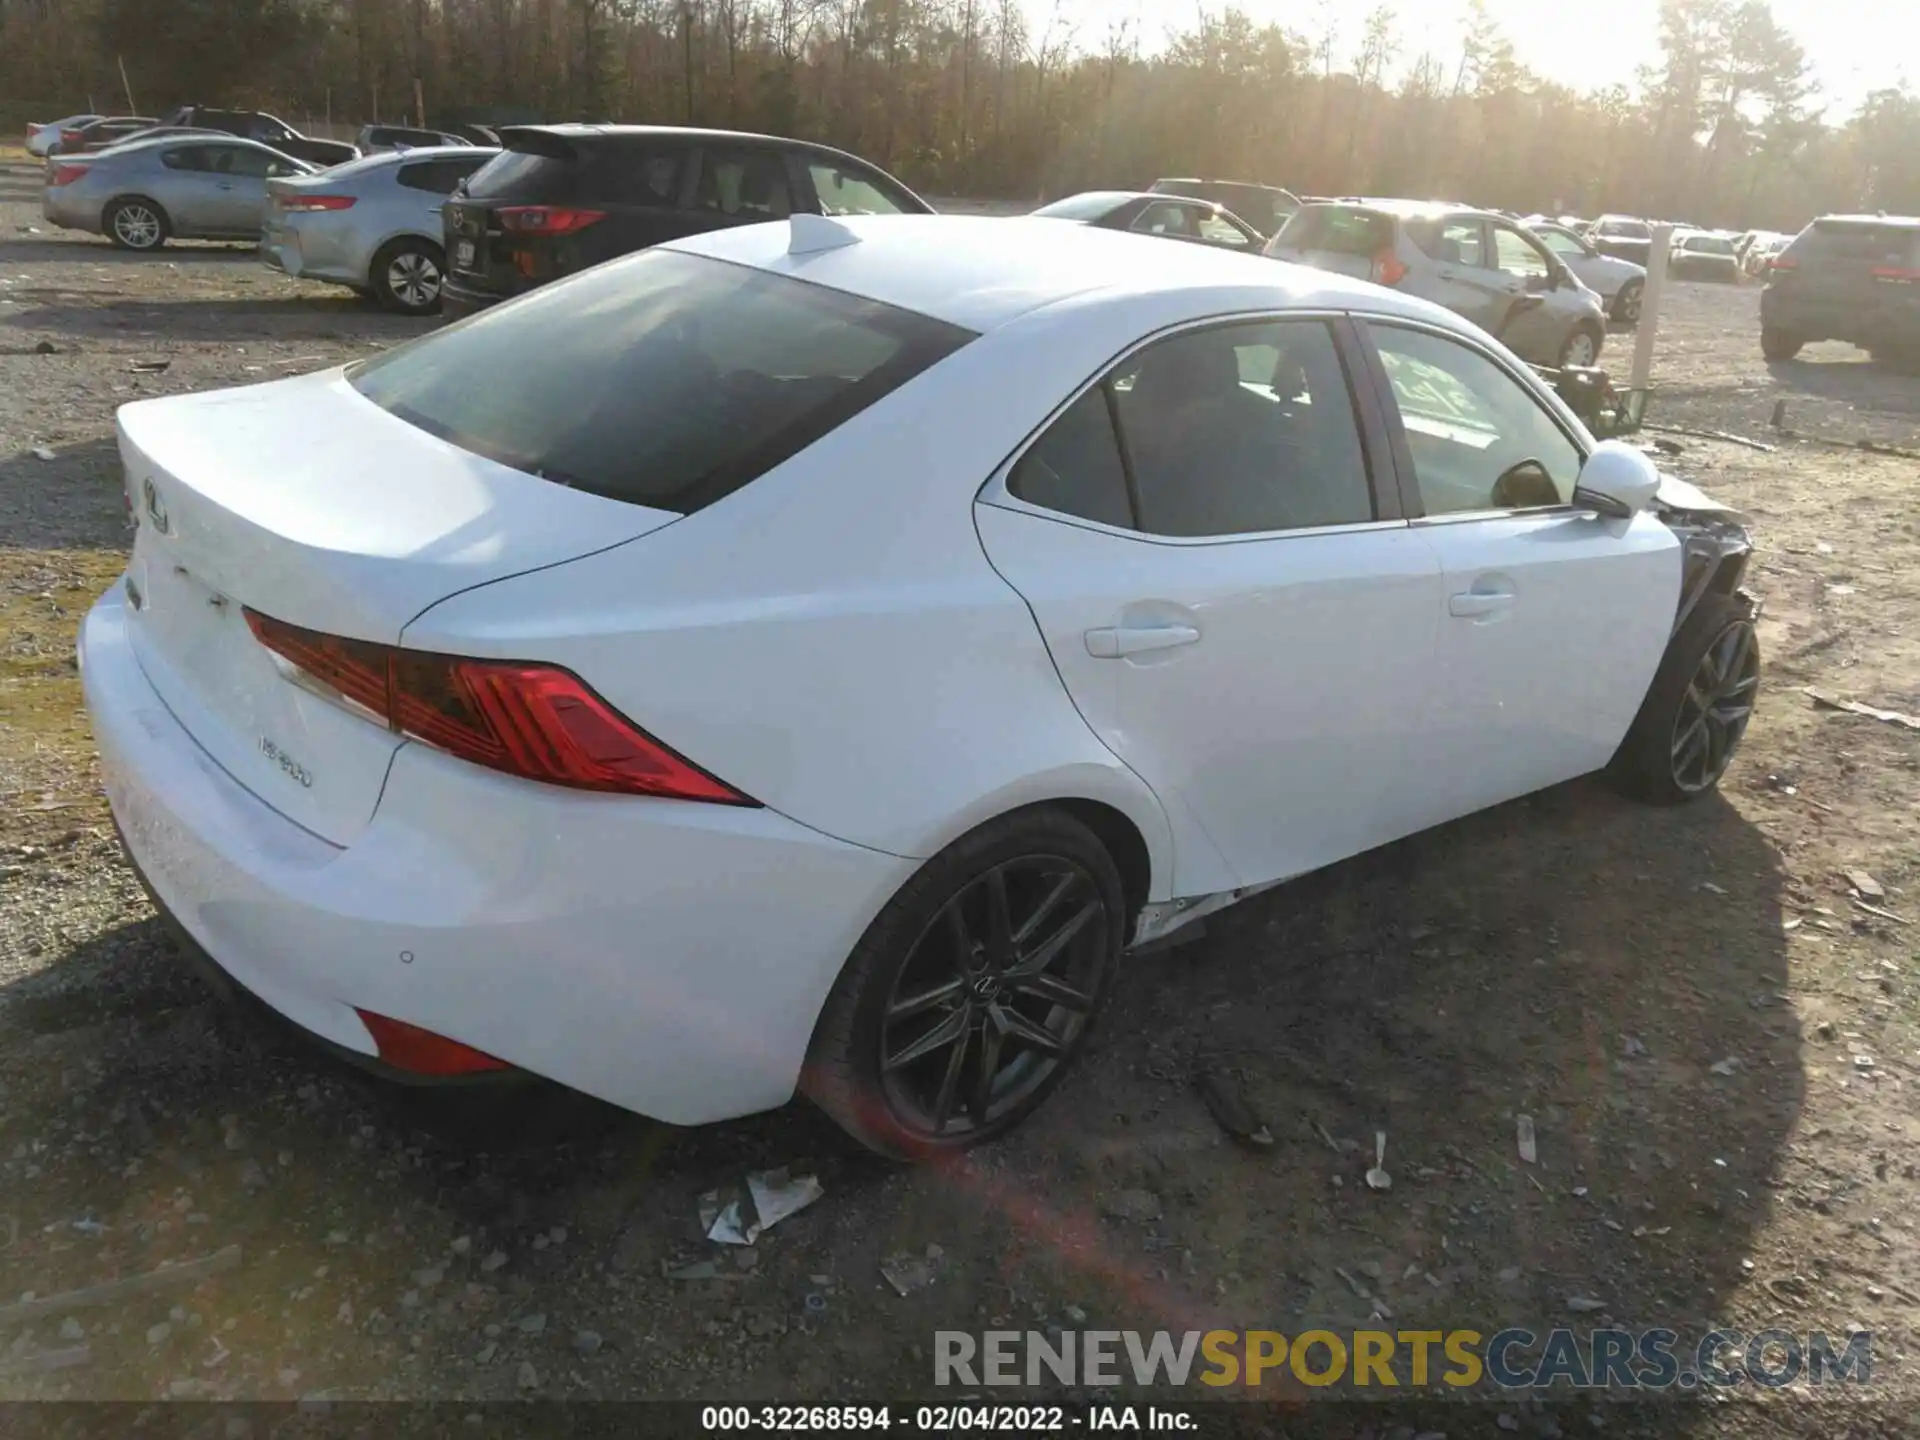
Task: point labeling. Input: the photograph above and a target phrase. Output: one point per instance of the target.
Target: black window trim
(1364, 323)
(1376, 452)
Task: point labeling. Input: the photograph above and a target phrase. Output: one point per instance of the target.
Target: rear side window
(845, 191)
(744, 184)
(662, 379)
(1338, 230)
(436, 177)
(527, 178)
(647, 176)
(1865, 243)
(1075, 468)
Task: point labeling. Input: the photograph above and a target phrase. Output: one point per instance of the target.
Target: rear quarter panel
(832, 639)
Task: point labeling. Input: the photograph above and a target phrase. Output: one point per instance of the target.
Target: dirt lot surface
(1712, 1035)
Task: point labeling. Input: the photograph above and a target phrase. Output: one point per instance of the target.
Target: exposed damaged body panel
(1713, 538)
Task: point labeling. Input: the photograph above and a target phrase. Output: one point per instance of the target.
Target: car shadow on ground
(332, 315)
(1613, 972)
(78, 247)
(1850, 376)
(73, 501)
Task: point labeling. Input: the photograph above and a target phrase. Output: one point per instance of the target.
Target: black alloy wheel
(974, 989)
(1715, 708)
(994, 995)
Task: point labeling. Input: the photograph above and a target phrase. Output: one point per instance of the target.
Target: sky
(1855, 45)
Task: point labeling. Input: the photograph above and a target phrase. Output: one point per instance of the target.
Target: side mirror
(1618, 480)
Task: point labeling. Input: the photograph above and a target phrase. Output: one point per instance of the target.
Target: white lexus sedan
(810, 655)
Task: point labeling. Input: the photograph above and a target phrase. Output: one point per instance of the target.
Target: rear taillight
(546, 219)
(67, 174)
(1387, 267)
(1782, 262)
(300, 204)
(1899, 274)
(539, 722)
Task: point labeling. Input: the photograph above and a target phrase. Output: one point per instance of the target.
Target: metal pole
(1649, 315)
(125, 85)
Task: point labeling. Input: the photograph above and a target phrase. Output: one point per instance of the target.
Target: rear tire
(407, 275)
(1778, 345)
(136, 223)
(1697, 708)
(985, 972)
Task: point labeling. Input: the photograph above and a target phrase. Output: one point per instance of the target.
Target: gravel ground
(1713, 1039)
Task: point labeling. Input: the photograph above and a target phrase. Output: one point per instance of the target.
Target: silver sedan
(188, 187)
(372, 224)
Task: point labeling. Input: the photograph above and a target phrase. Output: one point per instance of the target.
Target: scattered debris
(1868, 887)
(698, 1270)
(42, 452)
(1725, 1067)
(45, 347)
(1228, 1106)
(1377, 1178)
(1584, 1304)
(907, 1272)
(150, 367)
(1141, 1207)
(1853, 707)
(493, 1262)
(1523, 1135)
(1725, 435)
(587, 1343)
(187, 1273)
(41, 1361)
(771, 1196)
(1632, 1046)
(527, 1378)
(1875, 910)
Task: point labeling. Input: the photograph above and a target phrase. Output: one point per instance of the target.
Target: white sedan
(809, 655)
(43, 136)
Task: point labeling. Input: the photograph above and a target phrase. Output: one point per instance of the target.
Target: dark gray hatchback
(1846, 277)
(560, 198)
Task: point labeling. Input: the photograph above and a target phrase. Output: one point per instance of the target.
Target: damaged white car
(809, 655)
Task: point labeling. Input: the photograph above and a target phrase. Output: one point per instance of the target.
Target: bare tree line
(974, 97)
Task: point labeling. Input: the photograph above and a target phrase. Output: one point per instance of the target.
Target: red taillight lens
(302, 204)
(408, 1047)
(1783, 262)
(546, 219)
(1900, 274)
(539, 722)
(67, 174)
(1387, 269)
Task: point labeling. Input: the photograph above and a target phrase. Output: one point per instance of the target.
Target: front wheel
(406, 276)
(973, 990)
(1697, 708)
(136, 223)
(1626, 305)
(1580, 348)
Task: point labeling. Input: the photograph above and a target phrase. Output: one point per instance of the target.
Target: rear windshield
(532, 178)
(1623, 230)
(662, 379)
(1091, 206)
(1707, 245)
(1859, 240)
(1337, 229)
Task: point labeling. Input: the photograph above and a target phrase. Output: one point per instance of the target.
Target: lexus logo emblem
(155, 510)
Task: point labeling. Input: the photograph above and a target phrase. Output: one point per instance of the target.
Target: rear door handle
(1114, 642)
(1475, 604)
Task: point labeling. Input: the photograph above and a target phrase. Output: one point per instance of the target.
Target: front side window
(254, 163)
(1164, 217)
(1515, 254)
(747, 184)
(844, 191)
(662, 379)
(1562, 244)
(1480, 440)
(1239, 429)
(1217, 231)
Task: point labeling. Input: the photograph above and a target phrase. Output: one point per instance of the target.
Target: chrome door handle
(1114, 642)
(1475, 604)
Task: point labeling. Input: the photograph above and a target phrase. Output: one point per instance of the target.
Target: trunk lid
(306, 502)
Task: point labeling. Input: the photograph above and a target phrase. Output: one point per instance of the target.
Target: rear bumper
(458, 300)
(1813, 317)
(61, 207)
(667, 957)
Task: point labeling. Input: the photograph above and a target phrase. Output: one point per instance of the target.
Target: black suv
(267, 129)
(1846, 277)
(1265, 207)
(559, 198)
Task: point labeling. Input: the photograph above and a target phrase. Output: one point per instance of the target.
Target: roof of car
(394, 159)
(1410, 209)
(1240, 184)
(1898, 222)
(982, 272)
